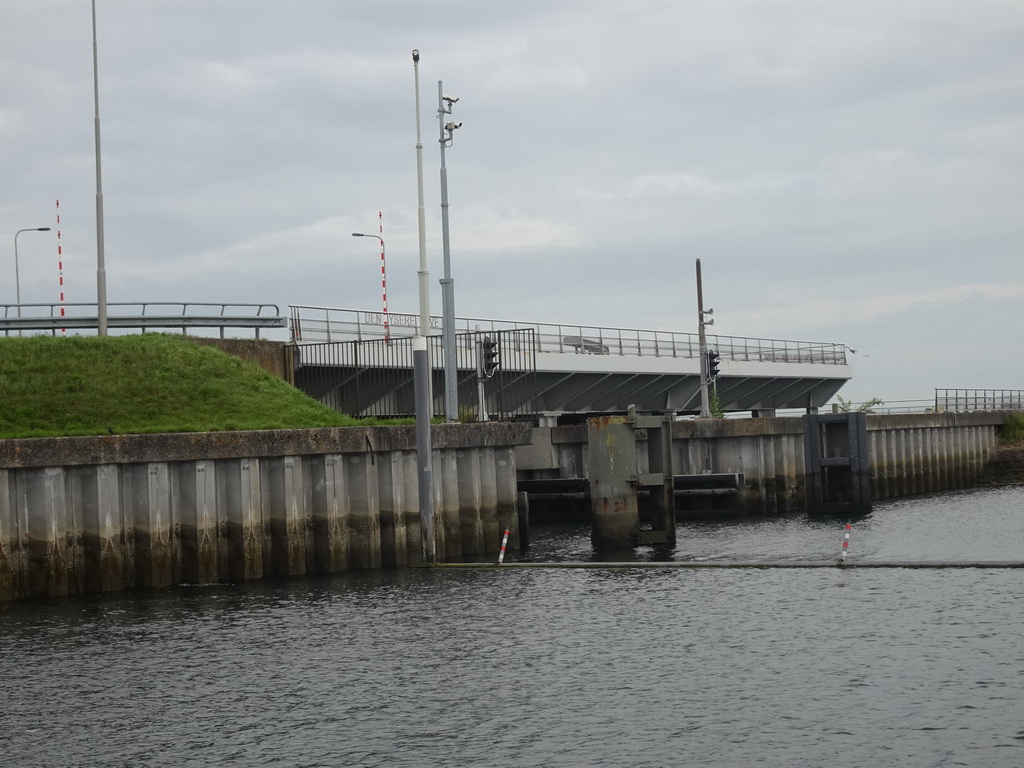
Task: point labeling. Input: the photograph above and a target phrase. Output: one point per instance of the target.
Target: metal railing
(962, 400)
(374, 377)
(945, 400)
(319, 324)
(140, 315)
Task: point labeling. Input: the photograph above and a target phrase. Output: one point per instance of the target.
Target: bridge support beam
(631, 487)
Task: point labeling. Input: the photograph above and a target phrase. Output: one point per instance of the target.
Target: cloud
(849, 312)
(839, 169)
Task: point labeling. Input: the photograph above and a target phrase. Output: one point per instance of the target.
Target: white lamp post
(383, 281)
(17, 277)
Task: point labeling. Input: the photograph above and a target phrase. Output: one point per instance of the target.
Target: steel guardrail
(55, 317)
(311, 324)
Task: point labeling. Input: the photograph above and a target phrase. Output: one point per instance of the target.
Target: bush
(1012, 430)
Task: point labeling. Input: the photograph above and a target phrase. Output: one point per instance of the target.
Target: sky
(846, 172)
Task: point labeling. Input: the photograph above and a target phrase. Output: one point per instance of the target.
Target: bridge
(360, 362)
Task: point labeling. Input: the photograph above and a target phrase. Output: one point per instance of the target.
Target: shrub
(1012, 430)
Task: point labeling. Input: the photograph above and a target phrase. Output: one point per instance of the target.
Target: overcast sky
(846, 172)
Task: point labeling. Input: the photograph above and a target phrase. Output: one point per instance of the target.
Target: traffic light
(712, 365)
(491, 362)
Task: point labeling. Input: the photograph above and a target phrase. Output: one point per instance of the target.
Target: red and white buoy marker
(846, 545)
(504, 541)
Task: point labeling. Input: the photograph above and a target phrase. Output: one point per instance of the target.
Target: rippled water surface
(547, 667)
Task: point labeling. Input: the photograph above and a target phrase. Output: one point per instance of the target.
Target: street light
(383, 281)
(421, 358)
(17, 278)
(101, 269)
(451, 396)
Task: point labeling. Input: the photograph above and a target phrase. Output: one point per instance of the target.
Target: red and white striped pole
(60, 267)
(846, 544)
(383, 276)
(504, 542)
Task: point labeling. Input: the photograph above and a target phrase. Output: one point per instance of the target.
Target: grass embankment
(142, 384)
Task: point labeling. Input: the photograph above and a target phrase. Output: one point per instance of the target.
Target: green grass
(143, 384)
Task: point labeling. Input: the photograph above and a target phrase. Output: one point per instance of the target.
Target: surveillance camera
(452, 126)
(450, 99)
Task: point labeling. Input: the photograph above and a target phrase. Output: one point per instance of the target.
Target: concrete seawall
(907, 454)
(99, 514)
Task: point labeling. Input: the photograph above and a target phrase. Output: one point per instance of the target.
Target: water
(554, 667)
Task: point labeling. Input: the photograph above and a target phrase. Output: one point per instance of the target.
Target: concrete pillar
(390, 488)
(615, 520)
(506, 498)
(207, 522)
(941, 445)
(489, 494)
(337, 513)
(793, 469)
(284, 508)
(958, 456)
(468, 490)
(766, 448)
(256, 541)
(242, 544)
(9, 549)
(230, 542)
(364, 512)
(411, 508)
(317, 543)
(97, 503)
(902, 463)
(146, 495)
(194, 513)
(48, 549)
(446, 480)
(891, 465)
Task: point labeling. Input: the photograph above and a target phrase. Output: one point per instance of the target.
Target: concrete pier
(103, 514)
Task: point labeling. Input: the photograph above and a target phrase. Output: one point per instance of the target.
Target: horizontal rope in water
(765, 565)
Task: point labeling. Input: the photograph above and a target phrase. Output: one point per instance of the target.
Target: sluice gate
(819, 463)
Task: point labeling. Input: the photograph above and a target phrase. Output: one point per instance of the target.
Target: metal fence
(374, 377)
(962, 400)
(139, 315)
(315, 324)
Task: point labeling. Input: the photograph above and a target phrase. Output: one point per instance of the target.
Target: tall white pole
(101, 270)
(421, 363)
(422, 216)
(451, 378)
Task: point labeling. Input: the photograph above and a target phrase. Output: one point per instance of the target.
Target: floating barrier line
(690, 565)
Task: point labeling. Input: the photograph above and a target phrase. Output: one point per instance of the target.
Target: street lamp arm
(360, 234)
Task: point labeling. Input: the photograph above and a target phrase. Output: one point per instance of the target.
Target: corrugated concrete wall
(101, 514)
(921, 453)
